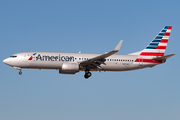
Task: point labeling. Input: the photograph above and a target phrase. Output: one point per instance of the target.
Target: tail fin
(157, 46)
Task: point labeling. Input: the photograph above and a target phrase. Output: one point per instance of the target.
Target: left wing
(96, 61)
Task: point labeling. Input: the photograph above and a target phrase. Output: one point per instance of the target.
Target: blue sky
(94, 26)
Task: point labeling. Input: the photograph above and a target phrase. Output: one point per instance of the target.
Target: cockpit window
(13, 56)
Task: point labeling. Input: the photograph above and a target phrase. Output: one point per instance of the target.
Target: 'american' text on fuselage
(55, 58)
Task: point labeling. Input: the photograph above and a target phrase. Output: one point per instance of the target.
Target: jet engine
(69, 68)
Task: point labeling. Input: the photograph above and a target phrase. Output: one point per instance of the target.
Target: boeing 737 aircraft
(71, 63)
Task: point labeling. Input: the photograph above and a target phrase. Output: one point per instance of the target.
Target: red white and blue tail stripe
(156, 47)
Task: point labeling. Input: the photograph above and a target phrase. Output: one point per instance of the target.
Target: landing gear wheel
(20, 73)
(87, 75)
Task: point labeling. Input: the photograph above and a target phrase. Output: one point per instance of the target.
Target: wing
(95, 62)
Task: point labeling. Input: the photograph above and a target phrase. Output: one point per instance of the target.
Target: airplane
(71, 63)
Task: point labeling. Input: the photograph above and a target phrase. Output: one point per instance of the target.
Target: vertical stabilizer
(157, 46)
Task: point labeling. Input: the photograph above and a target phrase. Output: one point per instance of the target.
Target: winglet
(118, 46)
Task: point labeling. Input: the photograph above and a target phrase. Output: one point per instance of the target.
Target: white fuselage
(55, 60)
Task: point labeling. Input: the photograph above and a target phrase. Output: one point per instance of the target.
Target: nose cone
(6, 61)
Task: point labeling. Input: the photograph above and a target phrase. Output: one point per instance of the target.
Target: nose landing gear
(87, 74)
(20, 73)
(18, 68)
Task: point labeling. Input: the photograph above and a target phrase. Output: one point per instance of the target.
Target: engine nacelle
(69, 68)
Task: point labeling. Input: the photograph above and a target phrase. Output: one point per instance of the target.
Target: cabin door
(140, 62)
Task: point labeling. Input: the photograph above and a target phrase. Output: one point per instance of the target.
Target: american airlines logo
(32, 56)
(54, 58)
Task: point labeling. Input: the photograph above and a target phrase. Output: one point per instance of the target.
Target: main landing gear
(87, 74)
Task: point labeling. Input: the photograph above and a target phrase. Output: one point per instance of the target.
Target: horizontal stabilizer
(164, 57)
